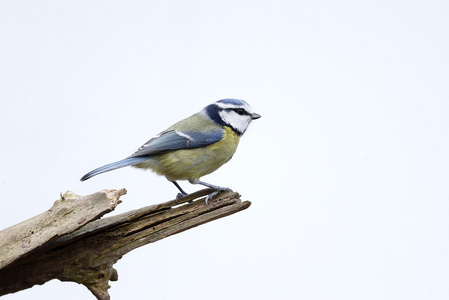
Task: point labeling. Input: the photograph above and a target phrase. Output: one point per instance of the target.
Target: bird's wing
(175, 140)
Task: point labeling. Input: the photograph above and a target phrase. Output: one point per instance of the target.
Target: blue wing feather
(176, 140)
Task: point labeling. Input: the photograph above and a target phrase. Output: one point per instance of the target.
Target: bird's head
(236, 114)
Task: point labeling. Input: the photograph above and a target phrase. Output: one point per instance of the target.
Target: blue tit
(193, 147)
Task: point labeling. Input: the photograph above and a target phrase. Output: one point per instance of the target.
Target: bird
(193, 147)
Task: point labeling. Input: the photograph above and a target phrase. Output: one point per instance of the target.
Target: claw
(211, 195)
(180, 195)
(218, 190)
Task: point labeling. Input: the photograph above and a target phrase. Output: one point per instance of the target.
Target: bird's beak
(255, 116)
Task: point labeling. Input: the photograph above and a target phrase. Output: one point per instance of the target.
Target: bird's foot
(218, 189)
(180, 195)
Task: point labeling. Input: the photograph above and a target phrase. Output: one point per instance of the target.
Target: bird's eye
(240, 111)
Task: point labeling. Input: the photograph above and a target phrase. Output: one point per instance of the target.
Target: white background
(347, 169)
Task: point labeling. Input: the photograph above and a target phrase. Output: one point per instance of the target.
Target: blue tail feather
(115, 165)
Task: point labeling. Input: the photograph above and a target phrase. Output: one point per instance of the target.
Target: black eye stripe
(240, 111)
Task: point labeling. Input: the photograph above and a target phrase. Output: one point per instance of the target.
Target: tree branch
(69, 241)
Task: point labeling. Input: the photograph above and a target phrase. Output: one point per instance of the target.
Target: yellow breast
(191, 164)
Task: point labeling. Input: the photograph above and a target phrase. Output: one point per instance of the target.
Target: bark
(70, 242)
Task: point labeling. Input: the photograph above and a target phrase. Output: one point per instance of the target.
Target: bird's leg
(215, 187)
(182, 194)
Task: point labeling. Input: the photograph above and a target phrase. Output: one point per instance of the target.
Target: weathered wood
(87, 252)
(65, 216)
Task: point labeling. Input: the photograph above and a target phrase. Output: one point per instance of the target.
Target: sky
(347, 170)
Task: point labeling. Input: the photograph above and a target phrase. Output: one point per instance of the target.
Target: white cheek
(239, 122)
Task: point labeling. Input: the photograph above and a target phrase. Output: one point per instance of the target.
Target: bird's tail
(115, 165)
